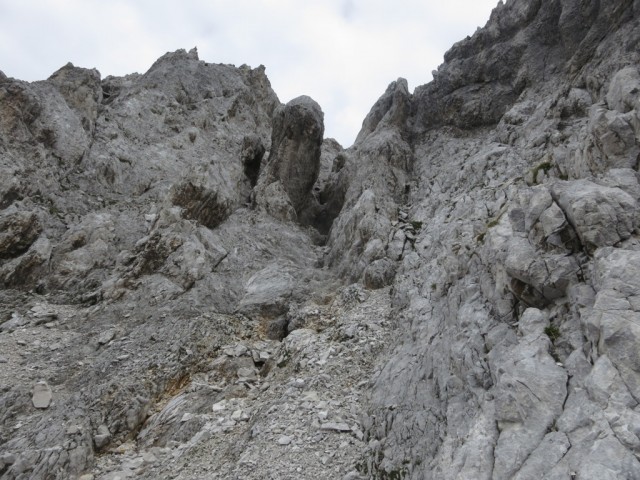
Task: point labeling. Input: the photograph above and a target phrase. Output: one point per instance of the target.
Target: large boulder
(294, 160)
(18, 230)
(601, 216)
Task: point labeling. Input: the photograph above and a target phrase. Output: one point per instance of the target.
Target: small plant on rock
(552, 332)
(544, 166)
(493, 223)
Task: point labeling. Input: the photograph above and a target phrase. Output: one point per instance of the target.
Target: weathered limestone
(18, 230)
(181, 294)
(601, 216)
(294, 159)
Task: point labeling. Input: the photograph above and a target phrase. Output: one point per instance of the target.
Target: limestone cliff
(194, 284)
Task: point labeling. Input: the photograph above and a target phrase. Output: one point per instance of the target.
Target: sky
(342, 53)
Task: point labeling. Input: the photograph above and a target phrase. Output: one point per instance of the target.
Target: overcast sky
(343, 53)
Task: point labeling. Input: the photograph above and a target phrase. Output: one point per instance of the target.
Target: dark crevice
(252, 154)
(322, 208)
(9, 197)
(564, 403)
(109, 93)
(201, 204)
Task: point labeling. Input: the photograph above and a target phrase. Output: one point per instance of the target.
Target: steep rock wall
(178, 284)
(525, 189)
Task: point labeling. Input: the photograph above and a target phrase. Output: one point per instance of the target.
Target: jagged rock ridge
(210, 289)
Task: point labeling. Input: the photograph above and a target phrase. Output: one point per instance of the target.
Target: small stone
(134, 464)
(186, 417)
(218, 407)
(240, 350)
(3, 360)
(13, 323)
(310, 396)
(120, 475)
(101, 440)
(73, 430)
(284, 440)
(42, 395)
(335, 427)
(228, 424)
(86, 476)
(236, 415)
(55, 346)
(8, 458)
(103, 436)
(149, 458)
(247, 373)
(353, 475)
(106, 337)
(264, 356)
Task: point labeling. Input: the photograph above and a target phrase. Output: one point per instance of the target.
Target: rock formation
(294, 160)
(195, 284)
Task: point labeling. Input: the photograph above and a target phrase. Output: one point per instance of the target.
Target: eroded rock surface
(294, 160)
(188, 267)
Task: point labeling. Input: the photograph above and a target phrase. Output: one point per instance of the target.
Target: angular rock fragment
(106, 336)
(102, 437)
(335, 427)
(42, 395)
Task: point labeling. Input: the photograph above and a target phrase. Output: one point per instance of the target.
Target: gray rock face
(601, 216)
(19, 230)
(369, 198)
(189, 267)
(522, 212)
(129, 191)
(294, 159)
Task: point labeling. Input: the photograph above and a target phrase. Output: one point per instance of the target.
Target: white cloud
(343, 53)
